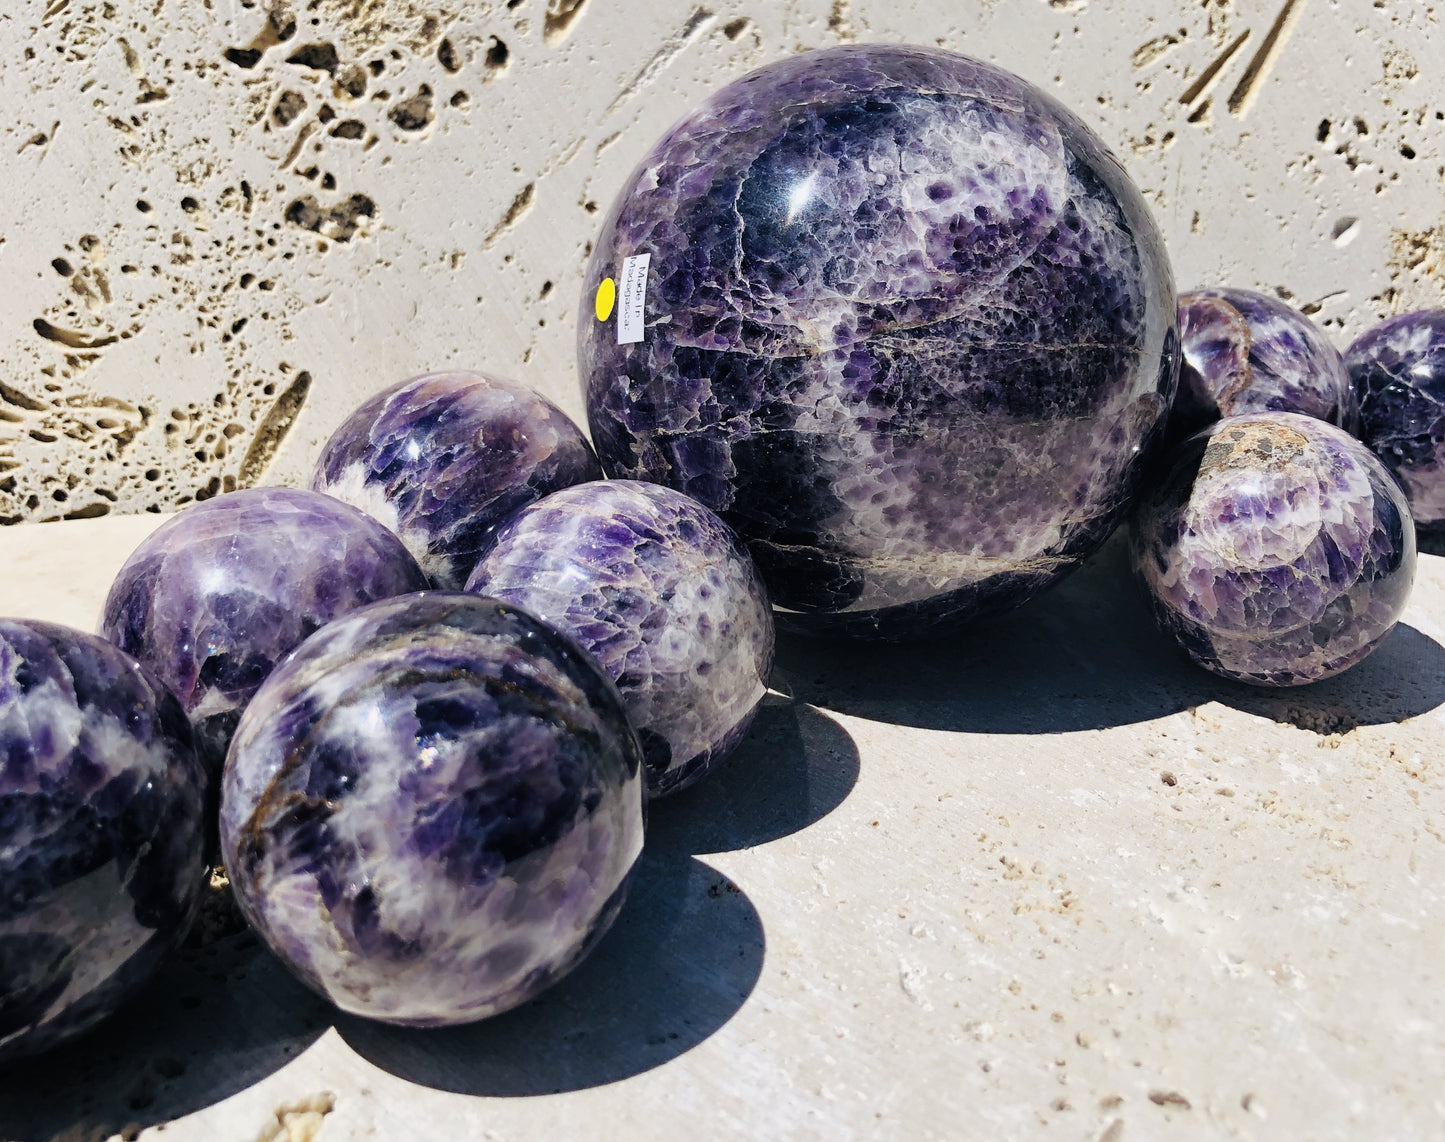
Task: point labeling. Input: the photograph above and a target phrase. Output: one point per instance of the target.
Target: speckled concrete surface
(1053, 882)
(227, 221)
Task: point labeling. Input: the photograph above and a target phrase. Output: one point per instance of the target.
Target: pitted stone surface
(228, 225)
(431, 811)
(657, 588)
(101, 799)
(910, 330)
(1244, 352)
(1277, 551)
(1398, 373)
(444, 459)
(217, 596)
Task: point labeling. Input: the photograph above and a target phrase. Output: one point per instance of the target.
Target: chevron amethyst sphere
(431, 811)
(904, 323)
(1278, 550)
(657, 589)
(215, 597)
(1398, 372)
(444, 458)
(101, 799)
(1245, 352)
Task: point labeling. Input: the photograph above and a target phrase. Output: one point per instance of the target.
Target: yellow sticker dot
(606, 298)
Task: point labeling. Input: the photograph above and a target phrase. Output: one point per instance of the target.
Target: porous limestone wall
(225, 222)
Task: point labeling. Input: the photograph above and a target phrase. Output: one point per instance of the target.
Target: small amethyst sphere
(900, 319)
(1245, 352)
(431, 811)
(443, 458)
(101, 810)
(1278, 550)
(215, 597)
(1398, 371)
(657, 589)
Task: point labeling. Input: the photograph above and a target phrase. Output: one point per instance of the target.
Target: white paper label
(632, 297)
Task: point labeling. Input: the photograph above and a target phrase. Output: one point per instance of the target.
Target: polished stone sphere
(215, 597)
(659, 591)
(431, 811)
(443, 459)
(1278, 550)
(1398, 372)
(101, 811)
(904, 323)
(1246, 352)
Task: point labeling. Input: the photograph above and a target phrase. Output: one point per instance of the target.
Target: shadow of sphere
(1403, 678)
(679, 962)
(795, 766)
(1430, 540)
(215, 1021)
(1085, 655)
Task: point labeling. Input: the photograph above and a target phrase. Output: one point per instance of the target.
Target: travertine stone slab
(225, 224)
(1036, 884)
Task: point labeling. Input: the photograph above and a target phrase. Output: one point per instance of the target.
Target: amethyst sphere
(657, 589)
(1278, 550)
(431, 811)
(442, 459)
(1245, 352)
(1398, 372)
(101, 810)
(215, 597)
(903, 322)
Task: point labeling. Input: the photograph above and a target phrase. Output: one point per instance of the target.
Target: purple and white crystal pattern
(101, 809)
(1277, 551)
(431, 811)
(215, 597)
(656, 587)
(909, 329)
(1398, 372)
(1245, 352)
(444, 458)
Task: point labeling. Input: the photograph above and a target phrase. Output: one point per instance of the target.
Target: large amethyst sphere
(1277, 551)
(431, 811)
(444, 458)
(101, 809)
(1245, 352)
(1398, 371)
(215, 597)
(904, 323)
(657, 589)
